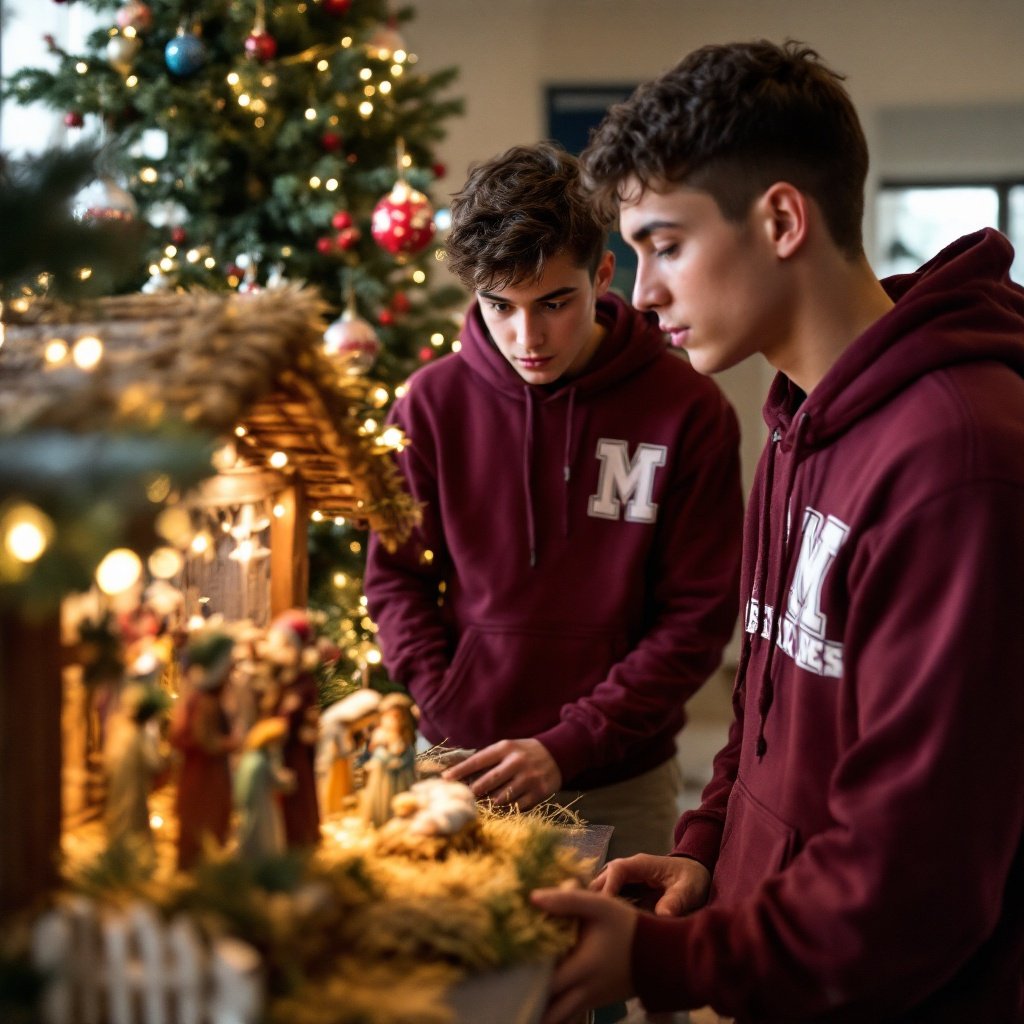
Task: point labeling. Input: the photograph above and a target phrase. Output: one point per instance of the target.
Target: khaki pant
(642, 810)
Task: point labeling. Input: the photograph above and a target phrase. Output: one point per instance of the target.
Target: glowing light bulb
(119, 570)
(87, 352)
(164, 563)
(278, 460)
(27, 532)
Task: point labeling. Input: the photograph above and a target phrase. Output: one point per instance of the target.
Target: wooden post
(289, 552)
(30, 757)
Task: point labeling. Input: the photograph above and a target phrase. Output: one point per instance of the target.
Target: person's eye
(666, 250)
(498, 307)
(559, 304)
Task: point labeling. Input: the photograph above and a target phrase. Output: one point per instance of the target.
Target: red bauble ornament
(400, 302)
(426, 354)
(440, 170)
(341, 220)
(325, 246)
(351, 343)
(74, 119)
(331, 142)
(348, 237)
(385, 318)
(260, 45)
(178, 235)
(336, 7)
(403, 221)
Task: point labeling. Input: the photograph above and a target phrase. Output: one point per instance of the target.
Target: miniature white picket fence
(130, 967)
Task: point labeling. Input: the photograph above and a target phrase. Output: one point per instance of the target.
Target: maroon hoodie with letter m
(864, 823)
(583, 545)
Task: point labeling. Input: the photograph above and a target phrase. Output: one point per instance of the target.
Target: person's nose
(648, 291)
(529, 333)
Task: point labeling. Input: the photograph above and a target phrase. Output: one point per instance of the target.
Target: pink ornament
(351, 344)
(341, 220)
(260, 46)
(136, 15)
(74, 119)
(403, 221)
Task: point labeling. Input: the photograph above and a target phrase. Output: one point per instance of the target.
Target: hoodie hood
(960, 307)
(630, 343)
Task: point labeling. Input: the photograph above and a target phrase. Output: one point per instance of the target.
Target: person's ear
(605, 273)
(784, 211)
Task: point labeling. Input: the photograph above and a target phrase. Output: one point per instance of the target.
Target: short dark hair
(731, 120)
(517, 211)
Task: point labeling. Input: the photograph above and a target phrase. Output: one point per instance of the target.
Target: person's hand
(683, 883)
(596, 971)
(518, 772)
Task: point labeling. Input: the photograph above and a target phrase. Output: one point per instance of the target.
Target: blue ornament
(184, 55)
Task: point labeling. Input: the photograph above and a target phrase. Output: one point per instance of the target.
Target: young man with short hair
(858, 853)
(573, 581)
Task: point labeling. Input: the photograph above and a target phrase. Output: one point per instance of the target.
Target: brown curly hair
(517, 211)
(731, 120)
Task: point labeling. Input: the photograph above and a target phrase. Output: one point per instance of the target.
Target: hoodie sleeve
(402, 586)
(693, 587)
(877, 912)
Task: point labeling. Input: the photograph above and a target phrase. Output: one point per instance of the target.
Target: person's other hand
(683, 883)
(596, 971)
(520, 772)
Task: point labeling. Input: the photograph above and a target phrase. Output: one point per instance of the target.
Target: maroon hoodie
(864, 820)
(586, 539)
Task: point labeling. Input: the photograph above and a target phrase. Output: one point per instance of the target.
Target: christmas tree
(265, 141)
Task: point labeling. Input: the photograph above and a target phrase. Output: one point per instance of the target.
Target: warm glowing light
(365, 74)
(149, 175)
(310, 114)
(84, 273)
(201, 542)
(339, 520)
(27, 532)
(171, 250)
(241, 430)
(87, 352)
(233, 78)
(317, 516)
(365, 108)
(314, 182)
(379, 395)
(278, 460)
(400, 56)
(346, 41)
(244, 99)
(396, 70)
(155, 821)
(82, 68)
(427, 556)
(209, 263)
(56, 350)
(166, 264)
(340, 579)
(418, 277)
(370, 425)
(279, 510)
(385, 87)
(322, 65)
(406, 160)
(355, 547)
(369, 90)
(164, 563)
(193, 255)
(400, 390)
(456, 345)
(131, 81)
(119, 570)
(331, 184)
(392, 437)
(437, 339)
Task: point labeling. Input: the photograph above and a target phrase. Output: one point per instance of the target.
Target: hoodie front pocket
(755, 844)
(507, 682)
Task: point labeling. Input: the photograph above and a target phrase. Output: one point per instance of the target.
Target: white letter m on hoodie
(622, 480)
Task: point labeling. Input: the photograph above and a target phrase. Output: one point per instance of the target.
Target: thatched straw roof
(216, 362)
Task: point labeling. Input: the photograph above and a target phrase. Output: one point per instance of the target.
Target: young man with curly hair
(857, 856)
(574, 578)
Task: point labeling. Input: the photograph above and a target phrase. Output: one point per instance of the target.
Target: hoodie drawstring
(531, 526)
(567, 459)
(766, 695)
